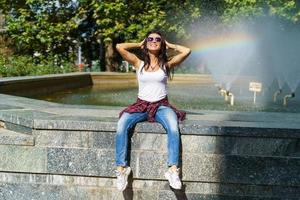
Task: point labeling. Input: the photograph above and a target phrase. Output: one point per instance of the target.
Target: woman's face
(153, 42)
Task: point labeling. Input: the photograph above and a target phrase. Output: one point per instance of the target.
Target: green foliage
(25, 65)
(245, 9)
(132, 20)
(236, 10)
(15, 67)
(288, 9)
(42, 26)
(52, 27)
(121, 20)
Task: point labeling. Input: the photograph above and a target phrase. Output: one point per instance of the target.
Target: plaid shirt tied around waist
(151, 108)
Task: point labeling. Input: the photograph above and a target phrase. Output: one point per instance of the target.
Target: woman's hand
(182, 53)
(170, 46)
(167, 44)
(141, 44)
(123, 49)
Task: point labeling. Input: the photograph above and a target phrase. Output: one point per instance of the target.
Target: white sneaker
(122, 178)
(173, 178)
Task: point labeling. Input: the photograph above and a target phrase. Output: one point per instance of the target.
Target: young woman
(152, 102)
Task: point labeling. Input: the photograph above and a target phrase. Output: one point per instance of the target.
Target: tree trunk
(110, 64)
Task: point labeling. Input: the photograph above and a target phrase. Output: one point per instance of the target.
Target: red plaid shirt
(151, 108)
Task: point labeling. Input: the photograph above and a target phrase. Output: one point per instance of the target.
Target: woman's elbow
(188, 51)
(118, 46)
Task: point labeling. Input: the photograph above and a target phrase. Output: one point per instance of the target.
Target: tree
(121, 20)
(51, 26)
(9, 6)
(41, 26)
(287, 10)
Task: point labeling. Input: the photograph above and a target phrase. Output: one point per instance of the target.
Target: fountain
(251, 52)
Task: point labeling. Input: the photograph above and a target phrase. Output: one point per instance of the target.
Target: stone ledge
(45, 115)
(200, 144)
(29, 86)
(9, 80)
(8, 137)
(18, 128)
(45, 121)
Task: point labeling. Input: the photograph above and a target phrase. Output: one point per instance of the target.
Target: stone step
(224, 128)
(8, 137)
(40, 186)
(151, 165)
(43, 192)
(197, 144)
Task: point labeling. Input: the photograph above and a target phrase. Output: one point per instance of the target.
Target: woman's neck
(153, 64)
(153, 59)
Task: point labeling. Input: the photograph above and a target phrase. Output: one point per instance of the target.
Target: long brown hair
(162, 55)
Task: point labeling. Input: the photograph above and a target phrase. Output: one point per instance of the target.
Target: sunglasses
(152, 39)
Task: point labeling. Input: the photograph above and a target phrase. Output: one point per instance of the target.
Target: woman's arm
(181, 56)
(127, 55)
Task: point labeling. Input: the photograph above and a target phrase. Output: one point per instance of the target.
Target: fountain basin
(52, 150)
(186, 92)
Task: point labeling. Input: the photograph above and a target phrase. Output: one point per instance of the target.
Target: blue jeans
(165, 116)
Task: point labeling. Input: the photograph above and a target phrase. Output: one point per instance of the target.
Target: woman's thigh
(128, 120)
(167, 117)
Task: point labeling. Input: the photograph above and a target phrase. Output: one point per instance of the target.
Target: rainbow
(221, 42)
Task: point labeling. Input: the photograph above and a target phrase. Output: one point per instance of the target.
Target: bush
(27, 65)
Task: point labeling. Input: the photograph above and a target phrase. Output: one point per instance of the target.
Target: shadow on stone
(128, 192)
(180, 194)
(193, 113)
(130, 134)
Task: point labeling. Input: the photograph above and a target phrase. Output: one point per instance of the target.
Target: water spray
(292, 95)
(278, 92)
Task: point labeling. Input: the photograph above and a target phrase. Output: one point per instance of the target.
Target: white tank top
(152, 85)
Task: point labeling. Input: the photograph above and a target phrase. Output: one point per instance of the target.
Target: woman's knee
(128, 120)
(123, 123)
(171, 124)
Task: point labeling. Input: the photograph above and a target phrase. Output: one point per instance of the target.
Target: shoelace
(118, 173)
(175, 174)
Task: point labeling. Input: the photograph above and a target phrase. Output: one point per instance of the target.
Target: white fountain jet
(278, 92)
(289, 59)
(230, 94)
(227, 94)
(231, 50)
(292, 95)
